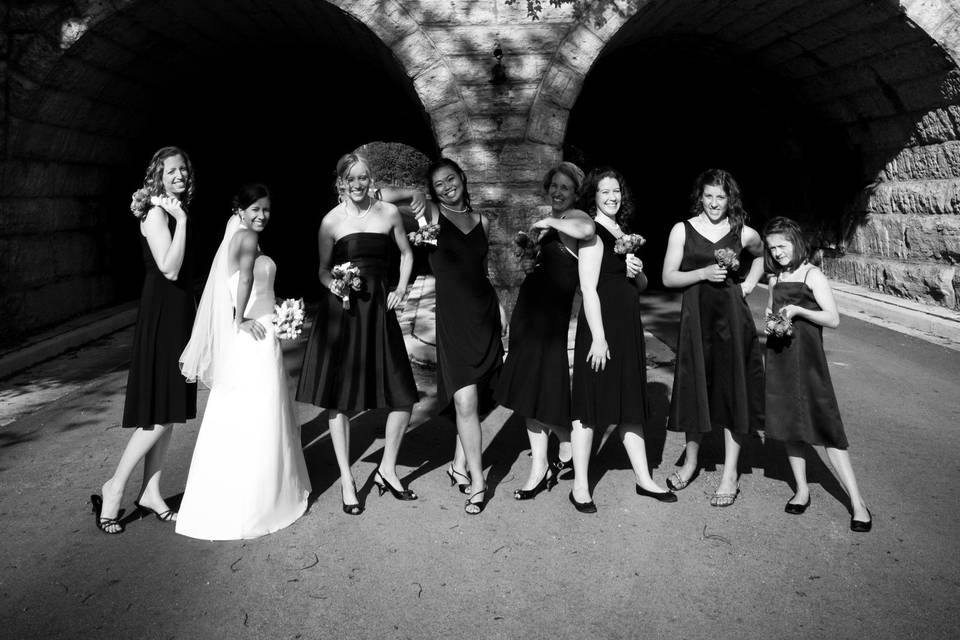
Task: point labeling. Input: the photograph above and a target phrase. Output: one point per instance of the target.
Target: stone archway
(84, 113)
(884, 75)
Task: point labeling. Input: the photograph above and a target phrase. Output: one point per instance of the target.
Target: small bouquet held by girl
(346, 278)
(425, 235)
(628, 243)
(778, 325)
(288, 318)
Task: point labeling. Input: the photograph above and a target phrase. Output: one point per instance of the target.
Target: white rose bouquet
(288, 318)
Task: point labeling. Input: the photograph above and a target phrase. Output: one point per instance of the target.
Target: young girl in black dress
(718, 382)
(157, 394)
(535, 379)
(355, 357)
(610, 365)
(801, 406)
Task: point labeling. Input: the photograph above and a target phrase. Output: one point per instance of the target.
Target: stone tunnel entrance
(840, 114)
(697, 107)
(274, 95)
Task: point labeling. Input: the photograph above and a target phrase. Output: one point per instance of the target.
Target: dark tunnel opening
(664, 110)
(282, 117)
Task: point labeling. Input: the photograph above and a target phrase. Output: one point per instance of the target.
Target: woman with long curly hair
(609, 368)
(718, 383)
(157, 394)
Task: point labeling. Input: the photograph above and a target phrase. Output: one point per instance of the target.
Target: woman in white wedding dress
(248, 476)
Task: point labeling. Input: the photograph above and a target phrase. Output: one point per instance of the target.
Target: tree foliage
(592, 9)
(396, 164)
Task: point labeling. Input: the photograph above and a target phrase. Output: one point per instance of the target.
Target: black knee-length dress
(618, 393)
(469, 348)
(718, 381)
(535, 379)
(157, 393)
(801, 404)
(355, 358)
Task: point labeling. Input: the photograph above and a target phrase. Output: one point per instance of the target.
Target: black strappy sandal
(476, 508)
(105, 525)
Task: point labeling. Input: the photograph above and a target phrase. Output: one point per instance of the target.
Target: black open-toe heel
(165, 516)
(383, 486)
(105, 524)
(474, 508)
(548, 481)
(354, 509)
(463, 487)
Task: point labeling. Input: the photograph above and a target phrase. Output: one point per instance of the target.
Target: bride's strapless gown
(248, 476)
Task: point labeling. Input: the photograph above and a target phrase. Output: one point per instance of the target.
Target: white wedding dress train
(248, 477)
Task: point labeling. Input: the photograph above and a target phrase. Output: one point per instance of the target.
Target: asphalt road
(538, 569)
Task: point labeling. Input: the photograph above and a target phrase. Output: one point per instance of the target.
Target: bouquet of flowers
(629, 243)
(526, 247)
(139, 200)
(424, 235)
(727, 258)
(346, 278)
(778, 325)
(288, 318)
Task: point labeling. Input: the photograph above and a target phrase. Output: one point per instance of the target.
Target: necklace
(452, 210)
(362, 214)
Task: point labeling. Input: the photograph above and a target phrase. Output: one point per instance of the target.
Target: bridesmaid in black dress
(355, 357)
(469, 320)
(801, 404)
(610, 365)
(157, 394)
(718, 382)
(535, 379)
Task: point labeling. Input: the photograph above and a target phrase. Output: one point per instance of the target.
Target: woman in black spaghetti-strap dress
(469, 321)
(355, 357)
(535, 379)
(157, 393)
(610, 365)
(718, 382)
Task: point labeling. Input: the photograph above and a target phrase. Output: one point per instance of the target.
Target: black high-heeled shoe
(476, 508)
(662, 496)
(463, 487)
(559, 466)
(166, 516)
(354, 509)
(383, 486)
(862, 526)
(583, 507)
(106, 524)
(548, 481)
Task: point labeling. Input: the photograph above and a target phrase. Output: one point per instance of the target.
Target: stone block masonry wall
(904, 237)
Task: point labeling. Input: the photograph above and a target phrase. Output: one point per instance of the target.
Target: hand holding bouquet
(288, 318)
(727, 259)
(778, 325)
(424, 235)
(525, 246)
(346, 278)
(629, 243)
